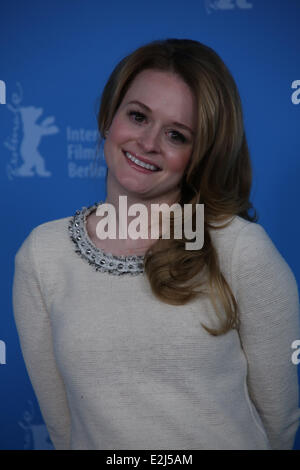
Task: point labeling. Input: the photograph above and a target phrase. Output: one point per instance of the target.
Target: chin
(137, 190)
(133, 182)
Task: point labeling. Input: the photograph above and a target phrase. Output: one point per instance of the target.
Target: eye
(136, 114)
(179, 137)
(139, 117)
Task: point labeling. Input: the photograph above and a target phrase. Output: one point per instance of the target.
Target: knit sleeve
(267, 295)
(35, 335)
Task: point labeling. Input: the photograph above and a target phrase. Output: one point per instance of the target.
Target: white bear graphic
(32, 134)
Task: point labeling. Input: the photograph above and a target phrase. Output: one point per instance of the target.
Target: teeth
(138, 162)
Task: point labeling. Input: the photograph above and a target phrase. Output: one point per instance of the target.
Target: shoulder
(250, 257)
(244, 239)
(225, 239)
(237, 228)
(257, 264)
(46, 239)
(254, 248)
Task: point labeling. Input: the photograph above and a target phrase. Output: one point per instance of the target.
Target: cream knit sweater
(115, 368)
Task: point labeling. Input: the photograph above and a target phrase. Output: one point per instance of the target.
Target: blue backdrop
(55, 59)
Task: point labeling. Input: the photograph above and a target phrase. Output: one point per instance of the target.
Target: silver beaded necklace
(101, 261)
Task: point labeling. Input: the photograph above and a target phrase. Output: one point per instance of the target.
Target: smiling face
(155, 124)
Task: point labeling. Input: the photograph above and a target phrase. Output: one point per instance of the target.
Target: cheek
(118, 134)
(119, 130)
(178, 162)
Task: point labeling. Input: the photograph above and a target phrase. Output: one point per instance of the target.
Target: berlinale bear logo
(26, 159)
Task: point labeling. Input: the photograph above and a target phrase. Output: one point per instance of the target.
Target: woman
(141, 343)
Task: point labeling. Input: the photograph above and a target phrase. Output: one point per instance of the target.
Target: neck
(114, 191)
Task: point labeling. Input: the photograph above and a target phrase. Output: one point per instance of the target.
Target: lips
(142, 159)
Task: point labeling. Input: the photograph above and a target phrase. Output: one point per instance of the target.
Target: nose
(149, 139)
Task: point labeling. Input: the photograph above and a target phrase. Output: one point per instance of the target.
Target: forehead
(163, 92)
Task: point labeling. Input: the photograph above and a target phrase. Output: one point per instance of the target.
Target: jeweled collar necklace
(101, 261)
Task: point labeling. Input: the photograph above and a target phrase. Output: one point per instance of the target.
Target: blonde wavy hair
(218, 175)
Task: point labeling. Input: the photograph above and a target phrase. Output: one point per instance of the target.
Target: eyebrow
(178, 124)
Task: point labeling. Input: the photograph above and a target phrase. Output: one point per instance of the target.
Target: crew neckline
(98, 258)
